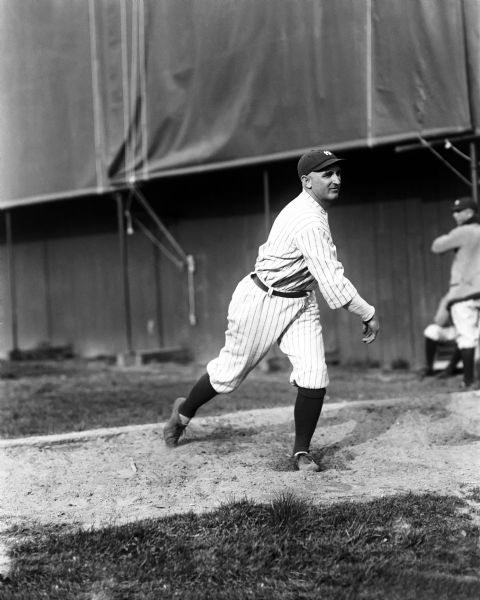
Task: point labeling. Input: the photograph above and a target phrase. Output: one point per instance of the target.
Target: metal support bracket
(449, 145)
(174, 253)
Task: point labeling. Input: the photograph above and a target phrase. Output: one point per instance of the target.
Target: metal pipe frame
(474, 170)
(266, 201)
(420, 145)
(123, 255)
(11, 280)
(447, 143)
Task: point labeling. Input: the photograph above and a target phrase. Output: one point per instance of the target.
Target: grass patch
(63, 396)
(402, 547)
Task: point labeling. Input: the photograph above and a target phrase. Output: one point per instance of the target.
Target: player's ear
(306, 181)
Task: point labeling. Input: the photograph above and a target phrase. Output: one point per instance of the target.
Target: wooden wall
(68, 273)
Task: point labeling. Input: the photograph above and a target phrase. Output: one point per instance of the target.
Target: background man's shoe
(468, 387)
(445, 374)
(426, 372)
(174, 429)
(304, 462)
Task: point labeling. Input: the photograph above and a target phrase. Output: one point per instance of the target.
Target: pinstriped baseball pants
(256, 321)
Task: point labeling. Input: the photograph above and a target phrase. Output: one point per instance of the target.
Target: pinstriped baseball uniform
(298, 253)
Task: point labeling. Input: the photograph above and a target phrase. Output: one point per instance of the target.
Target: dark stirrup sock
(308, 407)
(454, 360)
(200, 394)
(468, 359)
(430, 351)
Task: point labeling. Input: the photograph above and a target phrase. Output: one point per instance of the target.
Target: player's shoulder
(304, 204)
(468, 231)
(301, 215)
(305, 213)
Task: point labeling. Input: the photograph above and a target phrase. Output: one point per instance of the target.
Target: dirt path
(367, 449)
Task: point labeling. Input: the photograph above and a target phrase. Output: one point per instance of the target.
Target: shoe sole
(310, 466)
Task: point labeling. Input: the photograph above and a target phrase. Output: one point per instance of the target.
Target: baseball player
(439, 332)
(276, 303)
(464, 292)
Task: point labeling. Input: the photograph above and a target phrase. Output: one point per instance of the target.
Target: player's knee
(224, 381)
(464, 343)
(432, 332)
(224, 386)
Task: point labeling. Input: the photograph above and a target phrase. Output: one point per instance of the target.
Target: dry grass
(58, 397)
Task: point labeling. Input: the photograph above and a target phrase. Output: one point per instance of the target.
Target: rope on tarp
(97, 105)
(369, 74)
(143, 89)
(134, 89)
(125, 87)
(133, 95)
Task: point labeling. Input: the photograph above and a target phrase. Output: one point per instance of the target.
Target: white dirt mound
(366, 449)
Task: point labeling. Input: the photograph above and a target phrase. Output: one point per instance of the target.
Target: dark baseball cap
(316, 160)
(463, 203)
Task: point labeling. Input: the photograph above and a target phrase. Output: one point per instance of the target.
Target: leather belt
(271, 292)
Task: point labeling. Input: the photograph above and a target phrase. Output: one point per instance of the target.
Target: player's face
(461, 216)
(325, 185)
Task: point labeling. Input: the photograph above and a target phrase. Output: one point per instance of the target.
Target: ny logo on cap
(327, 152)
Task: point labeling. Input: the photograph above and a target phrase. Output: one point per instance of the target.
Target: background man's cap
(463, 203)
(316, 160)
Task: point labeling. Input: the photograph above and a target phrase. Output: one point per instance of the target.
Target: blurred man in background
(438, 335)
(463, 298)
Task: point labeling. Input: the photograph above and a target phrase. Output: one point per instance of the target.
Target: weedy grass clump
(401, 547)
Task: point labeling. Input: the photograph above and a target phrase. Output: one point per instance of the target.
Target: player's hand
(370, 330)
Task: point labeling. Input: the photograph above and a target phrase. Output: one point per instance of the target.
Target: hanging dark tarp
(101, 92)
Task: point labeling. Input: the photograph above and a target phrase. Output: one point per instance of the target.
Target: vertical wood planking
(86, 294)
(384, 245)
(31, 294)
(393, 281)
(143, 293)
(353, 233)
(419, 306)
(6, 341)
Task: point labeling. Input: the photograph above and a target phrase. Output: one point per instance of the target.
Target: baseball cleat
(445, 374)
(304, 462)
(173, 428)
(427, 372)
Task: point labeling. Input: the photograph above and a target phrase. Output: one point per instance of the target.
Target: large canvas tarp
(97, 93)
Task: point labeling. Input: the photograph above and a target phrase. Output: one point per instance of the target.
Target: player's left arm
(370, 330)
(320, 255)
(449, 241)
(367, 313)
(319, 252)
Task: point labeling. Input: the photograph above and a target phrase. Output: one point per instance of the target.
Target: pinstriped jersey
(300, 252)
